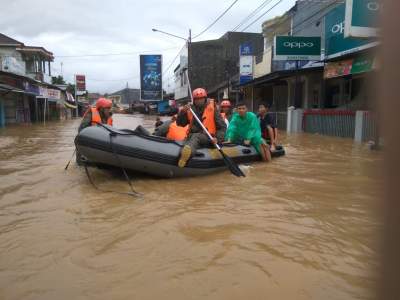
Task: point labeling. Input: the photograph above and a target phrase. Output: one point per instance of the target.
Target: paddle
(233, 167)
(66, 167)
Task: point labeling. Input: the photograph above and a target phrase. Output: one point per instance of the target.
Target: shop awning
(8, 89)
(352, 66)
(278, 75)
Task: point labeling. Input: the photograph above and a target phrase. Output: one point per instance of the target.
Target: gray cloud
(73, 27)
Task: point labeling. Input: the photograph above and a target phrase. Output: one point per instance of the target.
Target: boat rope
(134, 194)
(121, 166)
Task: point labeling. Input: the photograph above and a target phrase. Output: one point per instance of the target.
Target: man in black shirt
(268, 126)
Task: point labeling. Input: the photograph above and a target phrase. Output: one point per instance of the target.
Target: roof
(36, 50)
(7, 41)
(131, 91)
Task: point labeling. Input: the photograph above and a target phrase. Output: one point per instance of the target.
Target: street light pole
(177, 36)
(188, 42)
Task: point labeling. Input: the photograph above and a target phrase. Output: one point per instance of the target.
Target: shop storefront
(346, 82)
(14, 100)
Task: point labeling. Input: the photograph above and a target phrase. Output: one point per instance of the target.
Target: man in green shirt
(244, 127)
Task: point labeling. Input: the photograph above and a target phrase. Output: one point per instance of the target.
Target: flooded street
(302, 227)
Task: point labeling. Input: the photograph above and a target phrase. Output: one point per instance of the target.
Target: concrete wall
(265, 66)
(9, 53)
(308, 18)
(214, 61)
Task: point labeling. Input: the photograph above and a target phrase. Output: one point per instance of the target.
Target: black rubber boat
(137, 151)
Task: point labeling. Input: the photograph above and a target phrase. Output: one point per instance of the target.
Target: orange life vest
(208, 117)
(177, 133)
(97, 119)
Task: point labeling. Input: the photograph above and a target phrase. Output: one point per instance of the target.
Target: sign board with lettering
(151, 77)
(80, 82)
(245, 68)
(361, 18)
(246, 49)
(335, 42)
(297, 48)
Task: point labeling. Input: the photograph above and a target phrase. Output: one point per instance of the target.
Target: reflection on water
(301, 227)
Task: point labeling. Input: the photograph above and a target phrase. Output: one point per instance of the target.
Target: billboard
(80, 82)
(246, 68)
(361, 18)
(297, 48)
(151, 77)
(245, 63)
(335, 42)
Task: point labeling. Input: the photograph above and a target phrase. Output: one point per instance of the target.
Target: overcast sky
(87, 27)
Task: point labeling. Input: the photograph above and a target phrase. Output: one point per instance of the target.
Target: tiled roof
(5, 40)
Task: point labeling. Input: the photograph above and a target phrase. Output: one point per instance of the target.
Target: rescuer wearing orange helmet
(226, 111)
(206, 110)
(101, 113)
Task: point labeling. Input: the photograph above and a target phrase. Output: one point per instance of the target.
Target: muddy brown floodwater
(302, 227)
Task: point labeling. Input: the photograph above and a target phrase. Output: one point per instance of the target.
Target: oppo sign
(338, 28)
(298, 45)
(297, 48)
(374, 6)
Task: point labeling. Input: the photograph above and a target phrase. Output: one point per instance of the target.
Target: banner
(358, 65)
(12, 65)
(245, 63)
(50, 93)
(337, 69)
(288, 65)
(246, 69)
(70, 101)
(30, 88)
(361, 18)
(297, 48)
(335, 42)
(80, 82)
(150, 77)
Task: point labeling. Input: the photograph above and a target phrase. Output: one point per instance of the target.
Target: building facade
(26, 92)
(213, 65)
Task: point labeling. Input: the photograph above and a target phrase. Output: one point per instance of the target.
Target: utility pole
(189, 42)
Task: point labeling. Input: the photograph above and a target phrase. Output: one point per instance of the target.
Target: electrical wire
(217, 19)
(114, 54)
(271, 8)
(251, 15)
(314, 14)
(172, 62)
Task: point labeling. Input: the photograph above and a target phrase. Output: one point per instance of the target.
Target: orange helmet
(225, 103)
(103, 103)
(199, 93)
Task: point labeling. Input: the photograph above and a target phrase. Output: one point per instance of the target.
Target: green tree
(58, 80)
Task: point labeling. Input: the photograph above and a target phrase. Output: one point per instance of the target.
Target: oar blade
(233, 167)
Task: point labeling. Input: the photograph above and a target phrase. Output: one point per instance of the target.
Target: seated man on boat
(101, 113)
(158, 122)
(172, 131)
(206, 110)
(267, 125)
(244, 128)
(226, 111)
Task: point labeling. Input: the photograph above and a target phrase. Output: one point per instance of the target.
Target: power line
(216, 20)
(252, 14)
(313, 15)
(115, 54)
(172, 62)
(262, 15)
